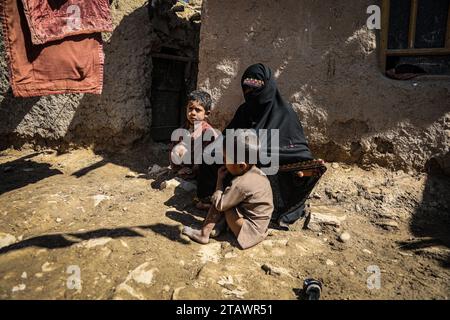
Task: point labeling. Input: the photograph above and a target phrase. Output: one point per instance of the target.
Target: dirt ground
(81, 215)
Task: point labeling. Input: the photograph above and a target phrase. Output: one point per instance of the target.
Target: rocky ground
(85, 226)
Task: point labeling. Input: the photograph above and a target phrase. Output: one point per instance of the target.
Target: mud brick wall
(122, 114)
(117, 117)
(326, 63)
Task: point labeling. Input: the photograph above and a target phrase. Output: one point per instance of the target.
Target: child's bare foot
(196, 235)
(219, 228)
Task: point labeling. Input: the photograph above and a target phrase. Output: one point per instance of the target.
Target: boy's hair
(246, 142)
(202, 97)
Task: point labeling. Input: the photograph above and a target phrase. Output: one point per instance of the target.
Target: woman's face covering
(254, 82)
(247, 90)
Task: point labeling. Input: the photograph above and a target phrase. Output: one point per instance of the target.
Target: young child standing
(198, 110)
(247, 204)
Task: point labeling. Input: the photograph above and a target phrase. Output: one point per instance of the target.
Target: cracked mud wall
(121, 115)
(117, 117)
(324, 58)
(326, 64)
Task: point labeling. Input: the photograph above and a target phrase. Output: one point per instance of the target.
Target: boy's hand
(222, 172)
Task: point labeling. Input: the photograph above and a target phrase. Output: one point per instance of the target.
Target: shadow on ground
(22, 172)
(430, 223)
(172, 233)
(65, 240)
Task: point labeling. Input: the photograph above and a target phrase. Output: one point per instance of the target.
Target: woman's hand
(311, 172)
(308, 173)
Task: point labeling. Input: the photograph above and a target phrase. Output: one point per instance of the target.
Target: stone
(176, 293)
(279, 242)
(47, 267)
(178, 183)
(94, 242)
(156, 170)
(196, 17)
(188, 186)
(388, 225)
(106, 252)
(314, 226)
(141, 275)
(19, 287)
(126, 105)
(275, 271)
(406, 254)
(132, 175)
(58, 220)
(272, 233)
(386, 215)
(329, 263)
(173, 183)
(24, 275)
(367, 251)
(6, 239)
(99, 198)
(344, 237)
(321, 215)
(238, 293)
(335, 165)
(178, 8)
(226, 281)
(120, 113)
(268, 269)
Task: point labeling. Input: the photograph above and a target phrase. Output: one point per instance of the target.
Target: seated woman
(264, 108)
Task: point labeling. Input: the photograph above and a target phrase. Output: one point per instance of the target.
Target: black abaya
(264, 108)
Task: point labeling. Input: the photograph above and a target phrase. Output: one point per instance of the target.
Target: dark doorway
(168, 97)
(175, 46)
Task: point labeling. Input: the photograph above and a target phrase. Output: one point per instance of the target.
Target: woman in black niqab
(264, 108)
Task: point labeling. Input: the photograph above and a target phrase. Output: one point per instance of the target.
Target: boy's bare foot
(219, 228)
(196, 235)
